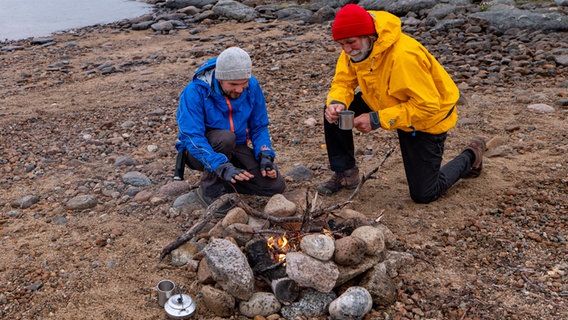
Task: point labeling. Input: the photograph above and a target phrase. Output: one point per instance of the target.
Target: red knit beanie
(352, 21)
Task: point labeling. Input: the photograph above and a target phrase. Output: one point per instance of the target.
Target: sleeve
(258, 121)
(191, 122)
(344, 82)
(411, 83)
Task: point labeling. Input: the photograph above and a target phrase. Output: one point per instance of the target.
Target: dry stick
(534, 285)
(363, 179)
(231, 199)
(261, 215)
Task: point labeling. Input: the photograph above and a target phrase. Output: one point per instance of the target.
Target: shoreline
(150, 10)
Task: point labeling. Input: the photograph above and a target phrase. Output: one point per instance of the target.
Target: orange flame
(278, 247)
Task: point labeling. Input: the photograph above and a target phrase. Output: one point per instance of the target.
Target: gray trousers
(242, 157)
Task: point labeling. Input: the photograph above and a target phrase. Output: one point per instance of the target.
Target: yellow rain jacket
(400, 79)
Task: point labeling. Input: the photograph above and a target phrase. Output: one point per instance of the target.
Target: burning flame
(278, 247)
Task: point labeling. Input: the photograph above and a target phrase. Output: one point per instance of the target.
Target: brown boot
(348, 179)
(477, 146)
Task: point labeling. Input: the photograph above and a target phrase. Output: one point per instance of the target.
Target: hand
(229, 172)
(332, 112)
(363, 123)
(267, 166)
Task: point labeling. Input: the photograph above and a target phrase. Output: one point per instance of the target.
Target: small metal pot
(180, 306)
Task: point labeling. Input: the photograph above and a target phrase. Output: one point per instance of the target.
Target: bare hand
(272, 174)
(332, 112)
(243, 176)
(363, 123)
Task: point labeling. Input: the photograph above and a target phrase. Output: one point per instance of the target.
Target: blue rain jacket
(202, 107)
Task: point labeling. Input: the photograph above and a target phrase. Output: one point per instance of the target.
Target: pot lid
(180, 306)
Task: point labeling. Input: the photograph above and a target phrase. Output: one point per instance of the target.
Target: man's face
(233, 88)
(357, 48)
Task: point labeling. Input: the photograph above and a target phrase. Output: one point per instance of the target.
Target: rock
(504, 17)
(204, 275)
(25, 202)
(541, 107)
(310, 272)
(242, 233)
(136, 178)
(373, 237)
(311, 304)
(390, 239)
(353, 304)
(379, 285)
(235, 215)
(175, 188)
(279, 206)
(143, 196)
(299, 173)
(318, 246)
(294, 14)
(124, 161)
(218, 301)
(186, 252)
(229, 268)
(81, 202)
(349, 272)
(349, 250)
(260, 304)
(395, 260)
(235, 10)
(34, 286)
(162, 26)
(495, 142)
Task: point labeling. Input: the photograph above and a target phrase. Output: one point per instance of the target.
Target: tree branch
(231, 199)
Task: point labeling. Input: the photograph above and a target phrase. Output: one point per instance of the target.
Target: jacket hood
(388, 27)
(206, 72)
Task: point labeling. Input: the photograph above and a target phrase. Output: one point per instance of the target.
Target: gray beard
(365, 51)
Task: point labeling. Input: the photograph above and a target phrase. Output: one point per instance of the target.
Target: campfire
(309, 262)
(279, 246)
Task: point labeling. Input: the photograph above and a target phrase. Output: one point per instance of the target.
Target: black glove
(228, 171)
(267, 162)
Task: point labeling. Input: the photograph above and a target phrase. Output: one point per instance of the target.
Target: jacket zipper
(230, 114)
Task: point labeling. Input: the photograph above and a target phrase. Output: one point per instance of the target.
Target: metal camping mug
(346, 120)
(165, 290)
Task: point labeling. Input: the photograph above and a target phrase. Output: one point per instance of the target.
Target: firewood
(230, 199)
(286, 290)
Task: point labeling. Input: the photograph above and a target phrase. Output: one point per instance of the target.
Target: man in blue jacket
(223, 130)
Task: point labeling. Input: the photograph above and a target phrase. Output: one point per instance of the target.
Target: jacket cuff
(336, 102)
(375, 122)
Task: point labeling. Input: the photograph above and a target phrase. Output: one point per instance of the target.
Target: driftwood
(230, 199)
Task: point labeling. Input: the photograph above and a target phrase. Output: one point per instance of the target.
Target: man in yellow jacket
(392, 82)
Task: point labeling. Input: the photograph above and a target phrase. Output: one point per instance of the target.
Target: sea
(22, 19)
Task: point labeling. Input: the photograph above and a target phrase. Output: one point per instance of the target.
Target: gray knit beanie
(233, 64)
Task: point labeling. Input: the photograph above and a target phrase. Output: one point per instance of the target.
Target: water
(21, 19)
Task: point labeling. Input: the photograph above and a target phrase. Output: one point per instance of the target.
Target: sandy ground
(494, 247)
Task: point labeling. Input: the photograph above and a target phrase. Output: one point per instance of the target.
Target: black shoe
(207, 201)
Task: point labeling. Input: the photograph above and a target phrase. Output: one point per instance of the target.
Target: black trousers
(421, 154)
(241, 156)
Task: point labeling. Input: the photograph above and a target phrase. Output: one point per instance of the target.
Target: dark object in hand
(266, 162)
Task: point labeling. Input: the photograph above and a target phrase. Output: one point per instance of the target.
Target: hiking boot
(348, 179)
(477, 147)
